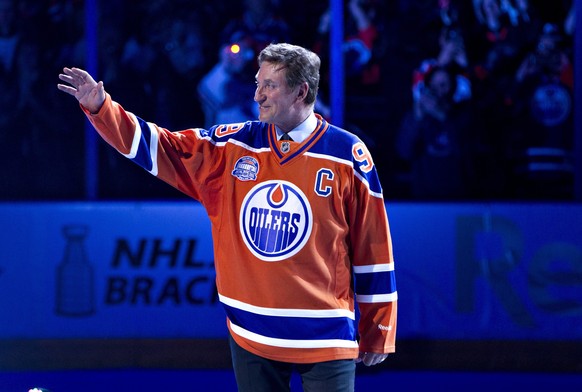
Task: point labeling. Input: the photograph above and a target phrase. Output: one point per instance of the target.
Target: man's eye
(265, 86)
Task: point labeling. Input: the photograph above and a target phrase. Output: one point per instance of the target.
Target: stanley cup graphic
(75, 276)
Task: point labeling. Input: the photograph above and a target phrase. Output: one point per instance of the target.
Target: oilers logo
(275, 220)
(246, 169)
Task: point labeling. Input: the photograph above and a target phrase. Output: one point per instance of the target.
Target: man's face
(278, 103)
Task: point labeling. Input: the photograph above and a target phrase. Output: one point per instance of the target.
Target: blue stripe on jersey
(272, 140)
(375, 283)
(293, 328)
(337, 142)
(372, 179)
(143, 157)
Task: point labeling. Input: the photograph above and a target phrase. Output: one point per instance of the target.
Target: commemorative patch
(246, 169)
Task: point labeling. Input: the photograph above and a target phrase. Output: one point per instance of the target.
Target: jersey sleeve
(187, 160)
(372, 258)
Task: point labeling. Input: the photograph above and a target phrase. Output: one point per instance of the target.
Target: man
(298, 223)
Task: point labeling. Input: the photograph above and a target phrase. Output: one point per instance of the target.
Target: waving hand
(82, 86)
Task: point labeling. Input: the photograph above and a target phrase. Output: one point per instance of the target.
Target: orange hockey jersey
(300, 231)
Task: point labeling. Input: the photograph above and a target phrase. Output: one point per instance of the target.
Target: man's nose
(259, 96)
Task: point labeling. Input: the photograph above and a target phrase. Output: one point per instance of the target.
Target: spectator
(497, 15)
(180, 60)
(58, 26)
(542, 126)
(224, 90)
(502, 31)
(452, 54)
(448, 12)
(183, 60)
(436, 140)
(18, 66)
(497, 41)
(361, 46)
(258, 25)
(20, 135)
(570, 20)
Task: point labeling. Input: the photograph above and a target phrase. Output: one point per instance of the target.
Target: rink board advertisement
(146, 270)
(107, 270)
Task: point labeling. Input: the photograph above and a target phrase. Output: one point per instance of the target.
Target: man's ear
(302, 91)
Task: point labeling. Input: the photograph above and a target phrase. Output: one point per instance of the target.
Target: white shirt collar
(301, 131)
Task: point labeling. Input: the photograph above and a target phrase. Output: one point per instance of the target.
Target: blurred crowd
(456, 100)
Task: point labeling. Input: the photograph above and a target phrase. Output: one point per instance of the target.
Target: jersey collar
(296, 149)
(301, 131)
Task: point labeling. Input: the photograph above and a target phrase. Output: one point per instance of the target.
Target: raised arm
(82, 86)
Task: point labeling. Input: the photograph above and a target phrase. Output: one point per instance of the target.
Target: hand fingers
(76, 76)
(66, 78)
(67, 89)
(72, 80)
(368, 359)
(83, 75)
(77, 72)
(73, 87)
(371, 359)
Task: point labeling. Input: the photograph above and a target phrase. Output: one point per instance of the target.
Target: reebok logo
(384, 327)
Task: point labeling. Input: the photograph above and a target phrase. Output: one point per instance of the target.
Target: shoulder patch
(246, 169)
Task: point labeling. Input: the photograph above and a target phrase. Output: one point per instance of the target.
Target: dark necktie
(286, 137)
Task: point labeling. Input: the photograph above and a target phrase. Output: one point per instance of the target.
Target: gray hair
(302, 66)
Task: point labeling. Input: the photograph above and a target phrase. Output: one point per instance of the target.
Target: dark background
(152, 55)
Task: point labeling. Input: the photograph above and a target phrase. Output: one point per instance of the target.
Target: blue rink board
(223, 380)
